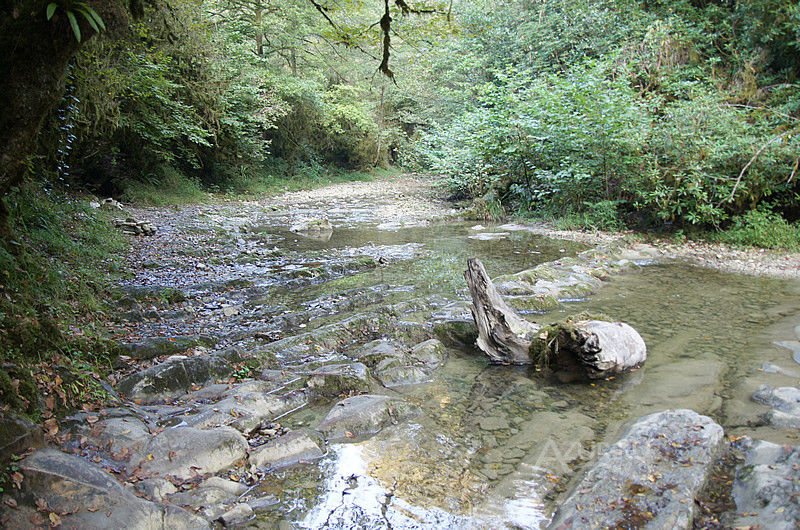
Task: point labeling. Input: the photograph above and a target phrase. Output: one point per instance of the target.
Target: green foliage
(54, 275)
(70, 8)
(762, 228)
(684, 114)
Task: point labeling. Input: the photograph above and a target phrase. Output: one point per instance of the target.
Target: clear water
(495, 446)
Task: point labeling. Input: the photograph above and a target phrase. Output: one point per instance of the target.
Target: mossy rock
(456, 333)
(539, 303)
(544, 349)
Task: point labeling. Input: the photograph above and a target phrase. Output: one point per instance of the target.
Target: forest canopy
(641, 113)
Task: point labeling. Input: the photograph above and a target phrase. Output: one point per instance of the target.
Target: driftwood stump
(503, 335)
(590, 348)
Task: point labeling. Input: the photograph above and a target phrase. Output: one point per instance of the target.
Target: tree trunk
(584, 347)
(502, 334)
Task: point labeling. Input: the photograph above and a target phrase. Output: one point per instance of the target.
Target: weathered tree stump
(503, 335)
(587, 347)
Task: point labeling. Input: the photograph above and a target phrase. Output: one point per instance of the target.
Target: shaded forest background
(643, 113)
(678, 115)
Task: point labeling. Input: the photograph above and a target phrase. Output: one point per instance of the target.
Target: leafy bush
(762, 228)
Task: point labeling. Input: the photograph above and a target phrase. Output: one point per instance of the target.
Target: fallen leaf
(11, 503)
(92, 419)
(17, 478)
(41, 505)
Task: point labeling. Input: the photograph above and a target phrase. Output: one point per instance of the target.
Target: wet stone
(651, 476)
(336, 379)
(494, 423)
(236, 515)
(766, 488)
(301, 446)
(785, 402)
(360, 415)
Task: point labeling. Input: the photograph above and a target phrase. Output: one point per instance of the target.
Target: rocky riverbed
(307, 361)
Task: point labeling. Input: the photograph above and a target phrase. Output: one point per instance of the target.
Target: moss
(558, 336)
(18, 389)
(538, 302)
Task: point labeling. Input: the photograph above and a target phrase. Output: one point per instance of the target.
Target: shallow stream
(493, 446)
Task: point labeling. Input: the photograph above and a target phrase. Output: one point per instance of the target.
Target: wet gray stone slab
(650, 477)
(89, 497)
(766, 489)
(290, 449)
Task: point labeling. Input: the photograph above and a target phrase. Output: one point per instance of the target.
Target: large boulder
(648, 478)
(333, 380)
(17, 435)
(177, 375)
(184, 452)
(157, 346)
(362, 415)
(88, 497)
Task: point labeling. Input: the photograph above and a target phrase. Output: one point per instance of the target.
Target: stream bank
(327, 379)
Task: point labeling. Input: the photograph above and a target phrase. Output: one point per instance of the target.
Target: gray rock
(360, 415)
(785, 399)
(91, 498)
(376, 351)
(158, 346)
(204, 497)
(185, 451)
(229, 486)
(244, 410)
(494, 423)
(336, 379)
(263, 504)
(456, 333)
(290, 449)
(238, 514)
(394, 372)
(155, 488)
(432, 353)
(126, 433)
(177, 375)
(17, 435)
(766, 488)
(785, 402)
(653, 474)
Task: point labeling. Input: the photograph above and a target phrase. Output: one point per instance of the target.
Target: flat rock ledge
(649, 478)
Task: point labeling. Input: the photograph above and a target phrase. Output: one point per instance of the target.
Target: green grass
(762, 228)
(56, 267)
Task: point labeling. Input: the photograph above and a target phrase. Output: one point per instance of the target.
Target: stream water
(495, 446)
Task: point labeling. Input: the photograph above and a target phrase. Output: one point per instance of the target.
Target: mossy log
(583, 346)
